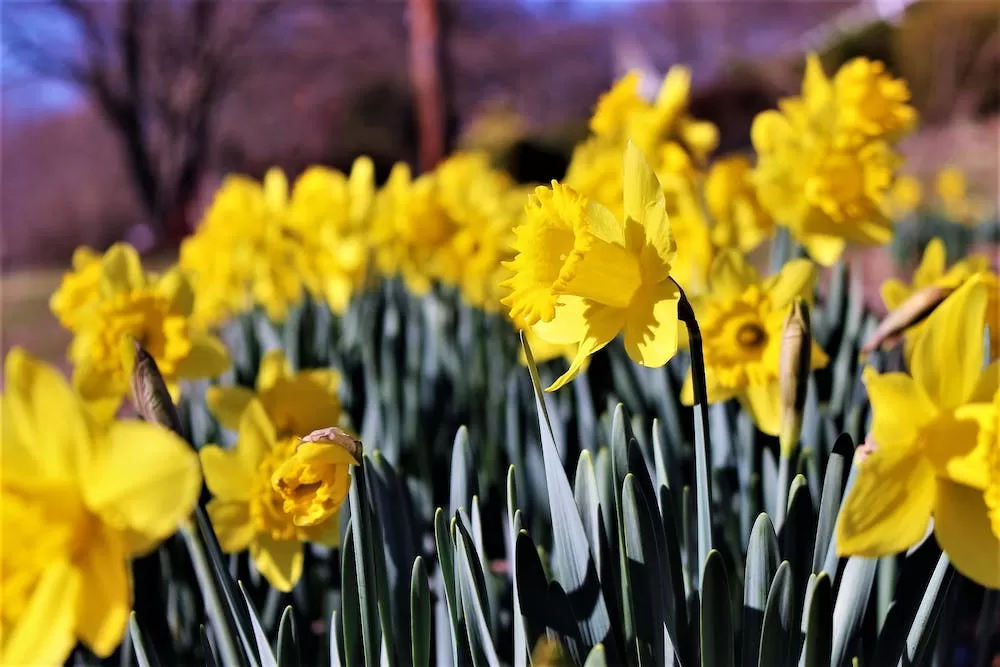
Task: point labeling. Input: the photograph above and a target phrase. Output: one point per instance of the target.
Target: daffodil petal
(279, 561)
(948, 354)
(602, 223)
(256, 435)
(651, 325)
(796, 279)
(888, 508)
(893, 292)
(326, 534)
(569, 326)
(105, 597)
(208, 358)
(932, 264)
(231, 523)
(763, 402)
(962, 528)
(899, 409)
(39, 406)
(825, 250)
(176, 287)
(45, 632)
(988, 383)
(640, 186)
(227, 474)
(952, 443)
(147, 479)
(121, 270)
(603, 324)
(301, 406)
(274, 366)
(228, 403)
(731, 273)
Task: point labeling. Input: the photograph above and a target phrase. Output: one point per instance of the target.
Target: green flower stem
(703, 443)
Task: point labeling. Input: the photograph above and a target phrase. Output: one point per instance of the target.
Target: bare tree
(157, 71)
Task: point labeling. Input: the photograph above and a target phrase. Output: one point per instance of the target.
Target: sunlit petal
(962, 528)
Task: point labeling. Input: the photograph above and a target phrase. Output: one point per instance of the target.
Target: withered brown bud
(919, 305)
(149, 392)
(339, 437)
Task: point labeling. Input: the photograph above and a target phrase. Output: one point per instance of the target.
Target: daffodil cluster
(108, 300)
(676, 146)
(826, 159)
(260, 244)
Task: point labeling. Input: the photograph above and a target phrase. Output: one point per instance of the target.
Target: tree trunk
(425, 74)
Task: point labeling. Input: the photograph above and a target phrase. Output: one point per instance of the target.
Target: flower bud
(150, 395)
(314, 481)
(915, 308)
(793, 373)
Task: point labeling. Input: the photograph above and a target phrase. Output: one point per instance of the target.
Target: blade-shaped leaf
(829, 504)
(818, 623)
(777, 636)
(573, 564)
(852, 599)
(716, 614)
(762, 564)
(420, 615)
(288, 643)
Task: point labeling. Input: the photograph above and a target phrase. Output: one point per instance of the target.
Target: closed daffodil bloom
(251, 511)
(742, 319)
(935, 448)
(79, 498)
(582, 276)
(156, 312)
(296, 403)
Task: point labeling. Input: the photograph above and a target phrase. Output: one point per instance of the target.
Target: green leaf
(462, 472)
(588, 501)
(446, 561)
(675, 575)
(829, 504)
(471, 590)
(762, 564)
(543, 604)
(369, 595)
(596, 657)
(206, 647)
(263, 647)
(288, 645)
(420, 615)
(777, 641)
(138, 642)
(931, 604)
(573, 564)
(852, 599)
(336, 641)
(716, 614)
(796, 538)
(642, 573)
(818, 622)
(350, 600)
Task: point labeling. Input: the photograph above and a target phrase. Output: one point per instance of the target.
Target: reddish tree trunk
(425, 74)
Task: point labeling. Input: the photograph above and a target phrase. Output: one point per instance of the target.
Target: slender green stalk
(703, 443)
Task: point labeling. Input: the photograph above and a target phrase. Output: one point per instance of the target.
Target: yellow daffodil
(263, 502)
(826, 160)
(905, 196)
(741, 321)
(245, 252)
(410, 229)
(956, 199)
(79, 290)
(154, 312)
(934, 272)
(738, 218)
(932, 457)
(582, 276)
(329, 213)
(296, 403)
(622, 115)
(78, 499)
(871, 103)
(542, 350)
